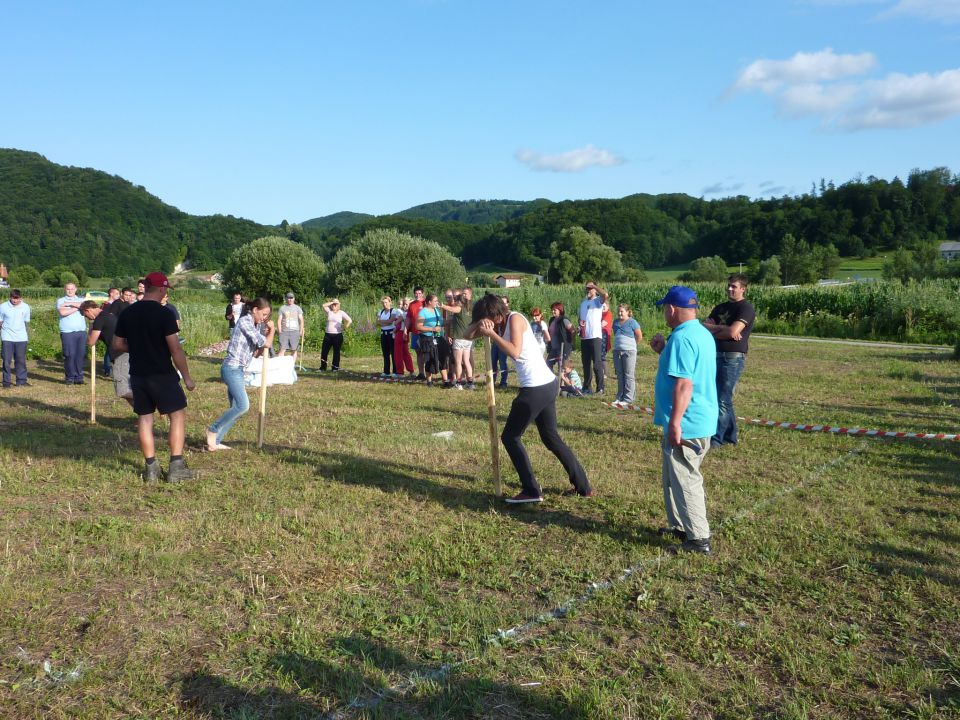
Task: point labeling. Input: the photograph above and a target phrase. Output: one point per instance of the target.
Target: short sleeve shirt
(291, 316)
(106, 323)
(690, 353)
(146, 325)
(335, 321)
(73, 322)
(727, 314)
(624, 337)
(591, 313)
(14, 319)
(432, 318)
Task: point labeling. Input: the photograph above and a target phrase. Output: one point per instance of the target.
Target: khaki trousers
(683, 494)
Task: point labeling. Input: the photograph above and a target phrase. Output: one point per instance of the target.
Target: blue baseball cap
(680, 296)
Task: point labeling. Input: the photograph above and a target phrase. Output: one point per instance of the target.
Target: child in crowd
(571, 384)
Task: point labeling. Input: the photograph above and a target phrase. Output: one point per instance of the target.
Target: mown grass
(357, 557)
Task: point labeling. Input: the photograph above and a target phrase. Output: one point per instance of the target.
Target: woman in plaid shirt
(245, 342)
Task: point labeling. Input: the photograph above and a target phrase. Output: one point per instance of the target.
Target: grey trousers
(683, 494)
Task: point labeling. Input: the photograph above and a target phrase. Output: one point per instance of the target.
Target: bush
(51, 276)
(24, 276)
(706, 269)
(387, 260)
(272, 266)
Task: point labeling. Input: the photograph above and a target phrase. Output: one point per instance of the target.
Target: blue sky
(293, 110)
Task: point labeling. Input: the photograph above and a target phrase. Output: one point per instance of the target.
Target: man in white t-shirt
(292, 326)
(591, 335)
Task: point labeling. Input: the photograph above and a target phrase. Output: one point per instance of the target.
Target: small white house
(949, 250)
(508, 281)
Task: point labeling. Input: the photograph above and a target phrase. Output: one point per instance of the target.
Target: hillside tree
(272, 266)
(578, 256)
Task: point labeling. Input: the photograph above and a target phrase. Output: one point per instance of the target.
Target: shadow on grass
(426, 484)
(79, 415)
(353, 682)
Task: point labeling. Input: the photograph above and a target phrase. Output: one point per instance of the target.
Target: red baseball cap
(156, 279)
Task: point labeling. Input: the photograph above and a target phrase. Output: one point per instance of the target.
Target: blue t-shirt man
(14, 319)
(690, 353)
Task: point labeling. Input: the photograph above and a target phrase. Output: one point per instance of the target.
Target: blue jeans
(499, 359)
(232, 377)
(729, 368)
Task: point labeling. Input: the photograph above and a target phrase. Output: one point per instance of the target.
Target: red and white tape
(814, 428)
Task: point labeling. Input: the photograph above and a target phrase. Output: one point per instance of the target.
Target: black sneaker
(700, 547)
(152, 473)
(421, 376)
(178, 472)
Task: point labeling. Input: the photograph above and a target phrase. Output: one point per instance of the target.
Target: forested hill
(342, 220)
(52, 215)
(468, 212)
(474, 212)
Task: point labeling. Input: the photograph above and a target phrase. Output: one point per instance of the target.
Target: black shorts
(160, 393)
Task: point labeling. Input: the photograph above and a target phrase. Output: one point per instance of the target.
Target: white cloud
(820, 85)
(945, 11)
(570, 161)
(900, 101)
(802, 68)
(815, 99)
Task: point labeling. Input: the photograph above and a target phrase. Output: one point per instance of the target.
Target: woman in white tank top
(535, 402)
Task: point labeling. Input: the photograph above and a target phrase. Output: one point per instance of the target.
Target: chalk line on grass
(517, 633)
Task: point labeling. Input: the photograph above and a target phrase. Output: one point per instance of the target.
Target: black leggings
(335, 341)
(539, 405)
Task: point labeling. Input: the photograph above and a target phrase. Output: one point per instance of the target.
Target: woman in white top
(337, 322)
(535, 402)
(386, 319)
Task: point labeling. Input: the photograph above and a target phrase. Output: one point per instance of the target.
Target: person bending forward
(535, 402)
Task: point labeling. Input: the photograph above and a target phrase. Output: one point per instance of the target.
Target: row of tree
(52, 215)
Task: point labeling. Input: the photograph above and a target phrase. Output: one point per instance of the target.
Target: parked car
(99, 295)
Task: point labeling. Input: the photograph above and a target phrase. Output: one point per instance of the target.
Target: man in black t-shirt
(103, 325)
(148, 331)
(730, 323)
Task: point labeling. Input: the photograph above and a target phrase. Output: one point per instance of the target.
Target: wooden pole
(264, 359)
(301, 353)
(492, 418)
(93, 384)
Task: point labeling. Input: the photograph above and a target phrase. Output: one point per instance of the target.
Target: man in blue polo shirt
(686, 408)
(14, 316)
(73, 335)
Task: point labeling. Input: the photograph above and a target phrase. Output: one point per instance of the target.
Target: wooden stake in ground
(301, 353)
(492, 417)
(93, 384)
(263, 396)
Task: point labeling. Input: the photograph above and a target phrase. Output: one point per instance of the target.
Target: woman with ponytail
(535, 403)
(246, 341)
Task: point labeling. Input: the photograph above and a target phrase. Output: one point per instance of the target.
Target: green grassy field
(358, 566)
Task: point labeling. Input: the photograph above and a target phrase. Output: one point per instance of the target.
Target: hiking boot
(152, 473)
(178, 472)
(523, 498)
